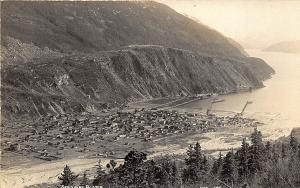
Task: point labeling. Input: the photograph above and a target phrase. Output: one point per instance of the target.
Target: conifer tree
(194, 154)
(217, 166)
(268, 150)
(196, 164)
(283, 150)
(227, 172)
(132, 172)
(242, 157)
(256, 138)
(67, 177)
(135, 158)
(100, 174)
(275, 154)
(175, 178)
(256, 152)
(293, 144)
(100, 171)
(85, 180)
(204, 164)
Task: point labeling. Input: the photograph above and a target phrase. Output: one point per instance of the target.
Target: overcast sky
(253, 23)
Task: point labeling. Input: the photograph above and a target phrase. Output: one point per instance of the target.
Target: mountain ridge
(76, 83)
(53, 65)
(102, 26)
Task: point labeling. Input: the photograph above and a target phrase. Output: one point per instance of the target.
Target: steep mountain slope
(94, 26)
(63, 57)
(87, 82)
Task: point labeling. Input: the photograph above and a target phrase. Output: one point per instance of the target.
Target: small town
(50, 136)
(150, 94)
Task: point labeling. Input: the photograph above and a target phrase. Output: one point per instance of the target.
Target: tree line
(254, 164)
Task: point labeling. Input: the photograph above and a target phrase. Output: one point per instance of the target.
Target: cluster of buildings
(51, 136)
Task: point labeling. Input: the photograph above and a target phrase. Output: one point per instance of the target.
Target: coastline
(32, 171)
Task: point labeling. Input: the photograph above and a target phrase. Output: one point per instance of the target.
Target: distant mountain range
(60, 57)
(285, 46)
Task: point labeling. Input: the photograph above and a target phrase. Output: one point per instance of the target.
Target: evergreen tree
(256, 138)
(268, 150)
(196, 164)
(85, 180)
(151, 174)
(242, 157)
(162, 176)
(175, 178)
(194, 154)
(170, 170)
(256, 152)
(100, 171)
(275, 154)
(100, 174)
(217, 166)
(133, 172)
(67, 177)
(135, 158)
(227, 172)
(283, 151)
(293, 144)
(204, 164)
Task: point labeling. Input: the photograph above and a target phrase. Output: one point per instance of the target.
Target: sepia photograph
(150, 94)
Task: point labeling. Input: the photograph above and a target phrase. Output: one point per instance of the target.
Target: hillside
(98, 26)
(63, 57)
(286, 46)
(87, 82)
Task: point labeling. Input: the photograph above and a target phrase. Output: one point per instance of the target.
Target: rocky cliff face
(56, 59)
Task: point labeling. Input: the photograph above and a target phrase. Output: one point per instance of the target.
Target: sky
(252, 23)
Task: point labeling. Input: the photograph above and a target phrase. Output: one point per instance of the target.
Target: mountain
(238, 46)
(285, 46)
(62, 57)
(98, 26)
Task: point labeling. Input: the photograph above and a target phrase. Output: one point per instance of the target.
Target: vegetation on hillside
(102, 25)
(254, 164)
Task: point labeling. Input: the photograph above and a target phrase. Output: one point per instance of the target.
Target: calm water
(278, 102)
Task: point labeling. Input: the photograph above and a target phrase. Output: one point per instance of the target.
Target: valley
(87, 81)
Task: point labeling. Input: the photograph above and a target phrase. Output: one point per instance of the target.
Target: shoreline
(25, 173)
(36, 172)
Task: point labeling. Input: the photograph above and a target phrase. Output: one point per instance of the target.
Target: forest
(254, 164)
